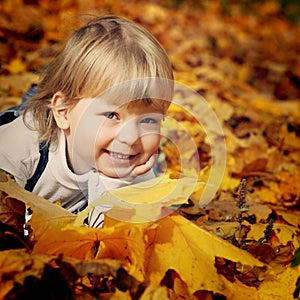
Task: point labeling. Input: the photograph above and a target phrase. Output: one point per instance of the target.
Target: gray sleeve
(19, 150)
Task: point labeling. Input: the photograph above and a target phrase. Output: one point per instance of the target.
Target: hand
(144, 168)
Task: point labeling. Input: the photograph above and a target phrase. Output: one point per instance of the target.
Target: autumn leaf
(154, 292)
(281, 286)
(175, 243)
(19, 265)
(16, 66)
(148, 250)
(157, 193)
(76, 242)
(283, 232)
(33, 276)
(45, 215)
(12, 224)
(12, 213)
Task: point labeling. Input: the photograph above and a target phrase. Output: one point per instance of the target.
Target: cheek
(103, 136)
(87, 136)
(101, 141)
(150, 143)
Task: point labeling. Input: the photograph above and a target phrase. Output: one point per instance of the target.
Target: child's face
(111, 138)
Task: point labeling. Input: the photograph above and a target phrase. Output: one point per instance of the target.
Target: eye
(149, 121)
(111, 115)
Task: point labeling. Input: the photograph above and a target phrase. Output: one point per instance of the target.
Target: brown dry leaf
(12, 212)
(177, 287)
(26, 275)
(46, 215)
(12, 224)
(16, 265)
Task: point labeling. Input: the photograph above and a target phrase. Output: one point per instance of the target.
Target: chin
(117, 173)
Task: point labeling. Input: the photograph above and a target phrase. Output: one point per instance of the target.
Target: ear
(60, 112)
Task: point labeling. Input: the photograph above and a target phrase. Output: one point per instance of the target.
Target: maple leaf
(175, 243)
(129, 205)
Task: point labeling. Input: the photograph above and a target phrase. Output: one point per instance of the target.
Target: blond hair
(106, 52)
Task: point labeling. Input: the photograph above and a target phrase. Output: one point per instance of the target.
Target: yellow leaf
(124, 242)
(17, 82)
(290, 139)
(266, 195)
(284, 233)
(153, 292)
(5, 288)
(120, 241)
(238, 291)
(265, 105)
(281, 286)
(118, 295)
(80, 243)
(143, 202)
(175, 243)
(16, 66)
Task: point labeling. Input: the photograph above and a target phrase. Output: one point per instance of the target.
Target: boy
(98, 110)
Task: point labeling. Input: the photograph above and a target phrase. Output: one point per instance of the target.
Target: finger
(147, 166)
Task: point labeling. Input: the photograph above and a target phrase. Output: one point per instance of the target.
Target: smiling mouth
(118, 155)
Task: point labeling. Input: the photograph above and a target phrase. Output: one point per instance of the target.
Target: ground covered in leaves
(244, 60)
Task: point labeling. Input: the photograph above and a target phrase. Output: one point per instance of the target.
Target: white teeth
(119, 155)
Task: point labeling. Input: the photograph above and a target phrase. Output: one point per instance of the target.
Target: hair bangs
(148, 91)
(125, 69)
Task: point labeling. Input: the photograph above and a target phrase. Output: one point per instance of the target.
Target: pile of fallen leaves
(244, 243)
(173, 257)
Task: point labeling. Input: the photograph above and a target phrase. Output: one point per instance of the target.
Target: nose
(129, 132)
